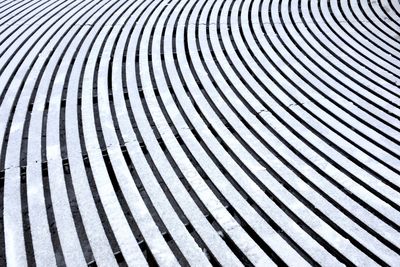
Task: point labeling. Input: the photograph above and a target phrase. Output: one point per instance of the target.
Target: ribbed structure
(226, 132)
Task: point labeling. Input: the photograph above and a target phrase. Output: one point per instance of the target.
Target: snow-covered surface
(207, 132)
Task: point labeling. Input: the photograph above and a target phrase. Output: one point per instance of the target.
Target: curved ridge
(219, 132)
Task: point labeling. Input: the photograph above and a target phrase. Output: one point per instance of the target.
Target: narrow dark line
(362, 97)
(264, 246)
(102, 215)
(30, 257)
(332, 114)
(7, 3)
(51, 220)
(393, 9)
(30, 35)
(382, 20)
(3, 260)
(299, 46)
(79, 226)
(314, 166)
(15, 10)
(350, 127)
(350, 7)
(299, 119)
(28, 19)
(5, 90)
(348, 34)
(83, 239)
